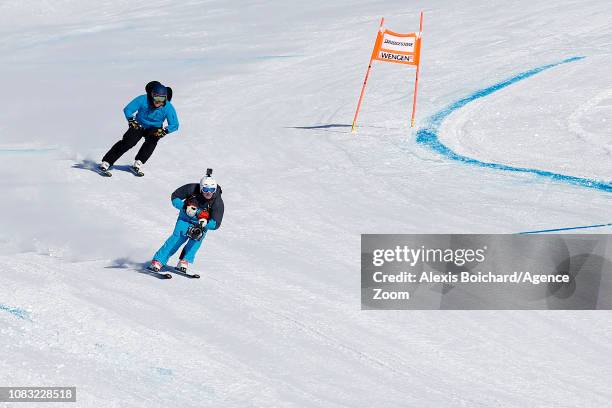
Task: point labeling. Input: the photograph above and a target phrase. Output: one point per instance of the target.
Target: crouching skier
(145, 115)
(200, 210)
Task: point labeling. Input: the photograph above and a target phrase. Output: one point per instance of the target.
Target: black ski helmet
(156, 88)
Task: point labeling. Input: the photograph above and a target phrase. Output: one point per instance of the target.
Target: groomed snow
(265, 93)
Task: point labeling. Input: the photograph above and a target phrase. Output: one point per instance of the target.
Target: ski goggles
(159, 98)
(209, 189)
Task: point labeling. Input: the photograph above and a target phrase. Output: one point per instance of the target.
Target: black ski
(160, 275)
(185, 274)
(104, 173)
(137, 172)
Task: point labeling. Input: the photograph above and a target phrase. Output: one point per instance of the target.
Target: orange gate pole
(416, 80)
(365, 81)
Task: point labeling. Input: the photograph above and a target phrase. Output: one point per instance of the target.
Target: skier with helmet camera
(200, 210)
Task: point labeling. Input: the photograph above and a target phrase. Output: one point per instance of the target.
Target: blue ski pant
(176, 240)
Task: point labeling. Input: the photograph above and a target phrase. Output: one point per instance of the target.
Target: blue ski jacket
(150, 117)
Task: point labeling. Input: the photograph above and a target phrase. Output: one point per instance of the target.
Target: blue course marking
(27, 151)
(15, 311)
(565, 229)
(163, 371)
(429, 135)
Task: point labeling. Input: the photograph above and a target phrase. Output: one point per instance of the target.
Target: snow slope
(265, 92)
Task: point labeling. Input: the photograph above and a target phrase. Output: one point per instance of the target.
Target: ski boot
(136, 168)
(103, 169)
(182, 266)
(155, 266)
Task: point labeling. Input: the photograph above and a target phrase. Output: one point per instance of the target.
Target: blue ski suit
(215, 208)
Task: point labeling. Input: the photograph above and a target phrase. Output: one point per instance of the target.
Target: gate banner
(398, 48)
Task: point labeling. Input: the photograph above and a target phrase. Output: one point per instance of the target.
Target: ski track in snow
(588, 107)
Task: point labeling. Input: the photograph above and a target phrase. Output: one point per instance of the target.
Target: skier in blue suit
(200, 210)
(150, 110)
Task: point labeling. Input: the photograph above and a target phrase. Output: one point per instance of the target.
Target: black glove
(133, 124)
(159, 132)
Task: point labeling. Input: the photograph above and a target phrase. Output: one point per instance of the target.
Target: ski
(136, 172)
(104, 173)
(185, 274)
(160, 275)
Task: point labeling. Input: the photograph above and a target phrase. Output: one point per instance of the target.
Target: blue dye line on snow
(163, 371)
(27, 151)
(566, 229)
(16, 311)
(429, 135)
